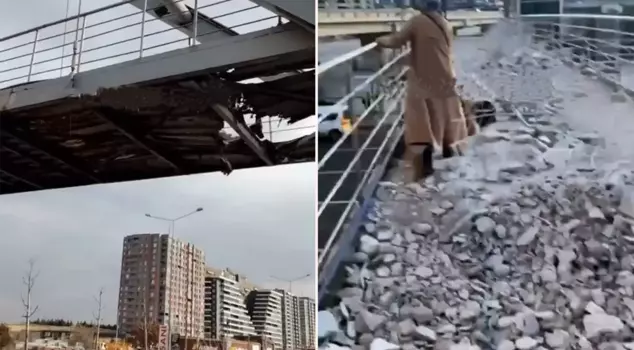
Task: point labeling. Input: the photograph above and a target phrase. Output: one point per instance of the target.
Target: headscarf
(427, 5)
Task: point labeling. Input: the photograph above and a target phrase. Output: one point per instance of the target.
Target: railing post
(73, 62)
(195, 22)
(37, 34)
(142, 28)
(81, 42)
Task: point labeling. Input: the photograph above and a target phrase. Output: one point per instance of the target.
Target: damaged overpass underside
(160, 116)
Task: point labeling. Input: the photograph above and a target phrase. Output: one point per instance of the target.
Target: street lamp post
(290, 281)
(171, 228)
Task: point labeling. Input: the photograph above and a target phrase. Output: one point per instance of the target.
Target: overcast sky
(259, 222)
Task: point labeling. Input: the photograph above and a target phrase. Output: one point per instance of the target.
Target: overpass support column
(331, 4)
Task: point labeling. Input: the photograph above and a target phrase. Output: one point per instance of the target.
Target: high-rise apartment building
(265, 309)
(161, 276)
(307, 323)
(225, 310)
(290, 321)
(298, 321)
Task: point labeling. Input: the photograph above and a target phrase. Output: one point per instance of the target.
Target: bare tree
(97, 316)
(29, 281)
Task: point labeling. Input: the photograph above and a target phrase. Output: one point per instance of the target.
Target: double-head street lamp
(290, 281)
(171, 229)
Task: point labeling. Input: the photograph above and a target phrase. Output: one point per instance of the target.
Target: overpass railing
(351, 166)
(598, 44)
(118, 33)
(601, 46)
(359, 4)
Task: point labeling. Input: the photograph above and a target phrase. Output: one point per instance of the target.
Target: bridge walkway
(563, 106)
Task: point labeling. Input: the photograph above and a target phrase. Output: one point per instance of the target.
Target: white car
(333, 121)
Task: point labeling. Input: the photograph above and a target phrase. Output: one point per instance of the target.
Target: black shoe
(427, 161)
(422, 163)
(448, 152)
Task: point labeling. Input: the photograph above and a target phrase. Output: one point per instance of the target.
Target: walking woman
(434, 118)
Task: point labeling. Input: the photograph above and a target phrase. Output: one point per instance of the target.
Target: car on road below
(333, 121)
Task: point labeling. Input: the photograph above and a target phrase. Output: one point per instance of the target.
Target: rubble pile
(520, 244)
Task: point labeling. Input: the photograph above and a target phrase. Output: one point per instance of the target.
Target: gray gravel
(524, 243)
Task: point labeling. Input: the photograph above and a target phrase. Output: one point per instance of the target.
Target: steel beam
(12, 173)
(242, 130)
(300, 12)
(157, 9)
(52, 151)
(139, 139)
(285, 42)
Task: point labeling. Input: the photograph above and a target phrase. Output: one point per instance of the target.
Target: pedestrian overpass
(536, 68)
(150, 88)
(357, 22)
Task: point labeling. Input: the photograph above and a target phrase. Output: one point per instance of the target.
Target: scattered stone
(369, 245)
(424, 272)
(526, 343)
(426, 333)
(527, 237)
(367, 321)
(382, 344)
(485, 224)
(599, 323)
(326, 324)
(506, 345)
(524, 242)
(422, 228)
(557, 339)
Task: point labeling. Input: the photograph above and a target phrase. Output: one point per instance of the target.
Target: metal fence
(600, 45)
(361, 4)
(350, 166)
(122, 32)
(597, 45)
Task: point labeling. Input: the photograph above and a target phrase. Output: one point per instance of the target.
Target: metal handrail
(21, 67)
(580, 16)
(395, 96)
(574, 44)
(324, 67)
(342, 219)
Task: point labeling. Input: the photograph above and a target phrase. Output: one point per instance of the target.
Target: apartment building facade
(160, 276)
(307, 323)
(298, 321)
(290, 321)
(265, 309)
(225, 310)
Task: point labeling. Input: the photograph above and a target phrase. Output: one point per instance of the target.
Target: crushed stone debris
(533, 249)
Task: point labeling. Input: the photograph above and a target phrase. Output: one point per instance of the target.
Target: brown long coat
(433, 112)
